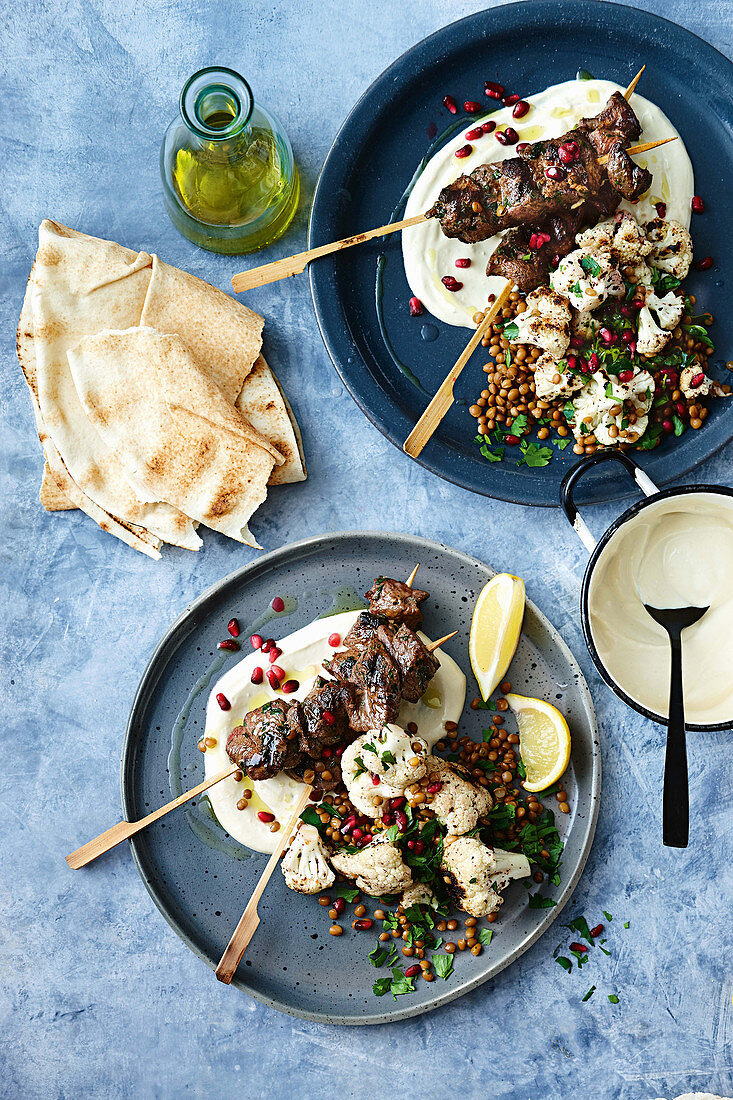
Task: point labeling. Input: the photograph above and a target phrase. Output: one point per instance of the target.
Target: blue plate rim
(334, 344)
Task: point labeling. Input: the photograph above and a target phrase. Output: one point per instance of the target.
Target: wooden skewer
(643, 148)
(125, 829)
(411, 579)
(249, 920)
(630, 90)
(436, 645)
(443, 399)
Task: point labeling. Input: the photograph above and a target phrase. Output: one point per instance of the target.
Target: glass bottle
(230, 182)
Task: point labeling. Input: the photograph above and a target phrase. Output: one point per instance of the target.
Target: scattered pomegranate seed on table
(450, 103)
(278, 605)
(512, 440)
(578, 947)
(510, 100)
(415, 307)
(703, 264)
(520, 109)
(362, 925)
(493, 90)
(412, 971)
(257, 675)
(596, 931)
(465, 262)
(471, 107)
(233, 628)
(229, 644)
(698, 205)
(223, 701)
(464, 151)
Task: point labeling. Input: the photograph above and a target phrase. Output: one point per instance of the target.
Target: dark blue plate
(526, 47)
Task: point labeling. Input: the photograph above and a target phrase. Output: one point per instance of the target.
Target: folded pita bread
(171, 428)
(262, 402)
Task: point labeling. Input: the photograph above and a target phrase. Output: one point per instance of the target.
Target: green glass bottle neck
(216, 104)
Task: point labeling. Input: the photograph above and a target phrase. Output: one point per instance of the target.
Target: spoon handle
(676, 802)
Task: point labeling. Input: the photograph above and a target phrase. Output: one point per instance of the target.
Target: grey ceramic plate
(201, 879)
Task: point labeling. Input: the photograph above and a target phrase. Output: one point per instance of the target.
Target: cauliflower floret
(552, 379)
(475, 875)
(639, 273)
(622, 236)
(585, 325)
(671, 246)
(691, 375)
(418, 894)
(668, 309)
(392, 756)
(587, 278)
(615, 412)
(650, 339)
(545, 323)
(304, 864)
(458, 804)
(598, 237)
(376, 869)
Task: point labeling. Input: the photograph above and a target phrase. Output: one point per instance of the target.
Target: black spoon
(676, 802)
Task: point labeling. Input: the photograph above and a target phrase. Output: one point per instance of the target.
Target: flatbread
(81, 285)
(263, 403)
(171, 428)
(51, 497)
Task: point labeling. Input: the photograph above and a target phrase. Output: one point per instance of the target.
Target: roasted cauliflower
(393, 757)
(553, 379)
(586, 278)
(458, 803)
(671, 246)
(475, 874)
(305, 864)
(545, 323)
(694, 382)
(376, 869)
(621, 235)
(418, 894)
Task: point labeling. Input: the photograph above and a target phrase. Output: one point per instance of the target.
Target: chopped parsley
(396, 985)
(443, 965)
(538, 901)
(511, 330)
(533, 454)
(590, 265)
(388, 758)
(613, 998)
(590, 993)
(485, 936)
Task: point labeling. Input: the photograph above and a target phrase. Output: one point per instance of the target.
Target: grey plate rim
(270, 561)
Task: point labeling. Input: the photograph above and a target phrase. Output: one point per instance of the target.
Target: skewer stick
(249, 920)
(643, 148)
(630, 90)
(443, 399)
(411, 579)
(125, 829)
(294, 265)
(436, 645)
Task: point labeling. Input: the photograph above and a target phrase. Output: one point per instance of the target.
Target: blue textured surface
(97, 996)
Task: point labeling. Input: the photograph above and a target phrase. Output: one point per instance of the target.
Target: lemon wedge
(544, 741)
(495, 629)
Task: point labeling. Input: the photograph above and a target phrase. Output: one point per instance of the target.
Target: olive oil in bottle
(229, 179)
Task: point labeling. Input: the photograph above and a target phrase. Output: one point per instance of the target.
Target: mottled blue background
(98, 998)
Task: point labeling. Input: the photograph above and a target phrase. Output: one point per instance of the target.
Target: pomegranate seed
(607, 336)
(412, 971)
(363, 925)
(357, 834)
(626, 376)
(661, 209)
(339, 749)
(463, 263)
(626, 310)
(584, 365)
(257, 676)
(512, 440)
(510, 100)
(267, 645)
(279, 672)
(367, 839)
(632, 348)
(387, 818)
(637, 304)
(522, 146)
(533, 241)
(375, 780)
(273, 680)
(471, 107)
(415, 307)
(508, 136)
(520, 109)
(273, 654)
(256, 641)
(698, 379)
(464, 151)
(474, 135)
(564, 156)
(401, 820)
(328, 718)
(576, 341)
(681, 408)
(668, 425)
(334, 640)
(325, 753)
(434, 788)
(488, 127)
(704, 264)
(229, 644)
(627, 335)
(290, 686)
(493, 90)
(419, 845)
(554, 172)
(596, 931)
(572, 362)
(397, 803)
(450, 103)
(349, 824)
(233, 628)
(578, 947)
(698, 205)
(339, 905)
(278, 605)
(451, 284)
(264, 816)
(223, 701)
(411, 845)
(594, 362)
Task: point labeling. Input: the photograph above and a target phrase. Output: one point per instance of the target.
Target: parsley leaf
(590, 993)
(580, 925)
(537, 901)
(379, 955)
(534, 455)
(564, 963)
(679, 424)
(348, 893)
(613, 998)
(388, 758)
(607, 915)
(590, 265)
(511, 330)
(443, 965)
(485, 936)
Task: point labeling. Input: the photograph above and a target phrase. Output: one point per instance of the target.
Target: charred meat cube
(417, 666)
(324, 715)
(264, 744)
(378, 681)
(363, 630)
(617, 117)
(627, 177)
(394, 600)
